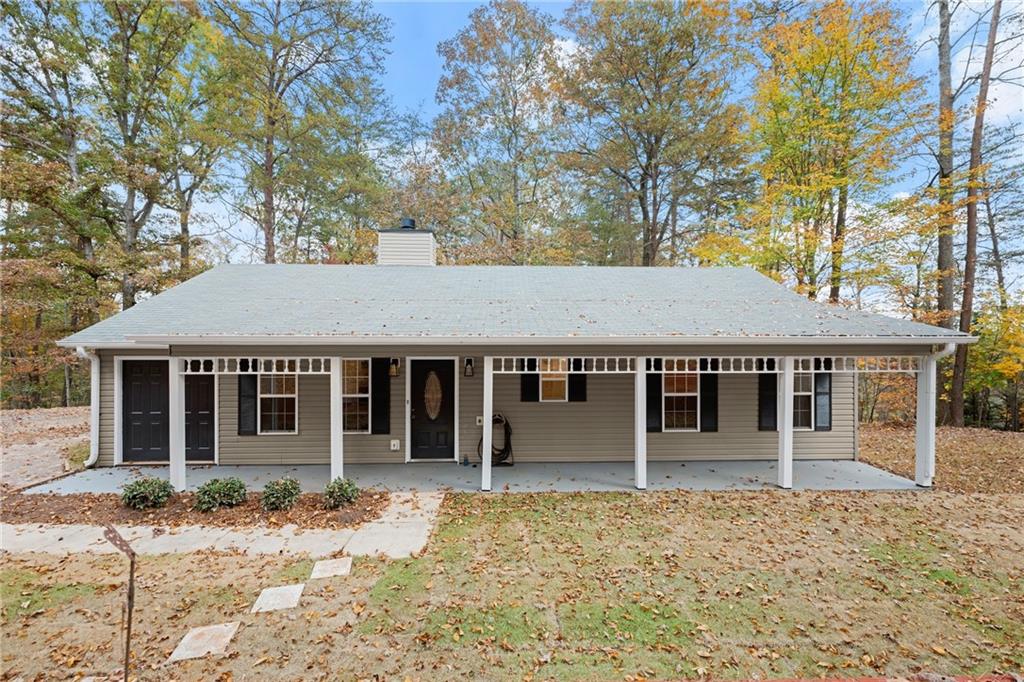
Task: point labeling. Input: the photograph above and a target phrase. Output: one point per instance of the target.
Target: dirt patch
(35, 444)
(100, 509)
(967, 460)
(31, 426)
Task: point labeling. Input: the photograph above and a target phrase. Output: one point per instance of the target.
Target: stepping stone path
(199, 642)
(331, 568)
(277, 598)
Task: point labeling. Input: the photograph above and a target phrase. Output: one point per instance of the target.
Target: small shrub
(340, 491)
(146, 493)
(280, 494)
(220, 492)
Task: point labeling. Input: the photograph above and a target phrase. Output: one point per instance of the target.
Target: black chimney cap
(408, 224)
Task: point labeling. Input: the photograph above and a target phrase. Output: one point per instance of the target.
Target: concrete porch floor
(523, 477)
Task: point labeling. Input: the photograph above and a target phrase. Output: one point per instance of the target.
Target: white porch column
(924, 459)
(176, 420)
(337, 422)
(640, 423)
(488, 440)
(784, 415)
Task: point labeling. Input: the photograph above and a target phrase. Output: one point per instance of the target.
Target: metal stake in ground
(114, 538)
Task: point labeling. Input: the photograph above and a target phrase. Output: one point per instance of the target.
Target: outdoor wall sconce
(393, 366)
(469, 368)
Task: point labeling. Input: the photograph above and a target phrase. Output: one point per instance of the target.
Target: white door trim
(408, 406)
(118, 397)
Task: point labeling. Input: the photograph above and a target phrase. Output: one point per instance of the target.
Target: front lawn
(582, 586)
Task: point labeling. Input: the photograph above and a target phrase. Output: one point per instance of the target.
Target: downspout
(94, 403)
(946, 351)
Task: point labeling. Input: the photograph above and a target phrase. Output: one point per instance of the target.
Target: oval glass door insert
(432, 395)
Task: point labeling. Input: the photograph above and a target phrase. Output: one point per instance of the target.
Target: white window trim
(259, 403)
(368, 395)
(544, 366)
(666, 394)
(811, 394)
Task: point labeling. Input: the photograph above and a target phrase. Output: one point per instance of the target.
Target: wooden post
(488, 436)
(785, 423)
(924, 446)
(337, 421)
(176, 417)
(640, 423)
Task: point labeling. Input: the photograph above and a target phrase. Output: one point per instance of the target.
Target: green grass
(21, 593)
(297, 572)
(76, 454)
(606, 624)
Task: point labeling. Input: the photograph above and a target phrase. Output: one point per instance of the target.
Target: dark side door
(199, 397)
(432, 409)
(144, 403)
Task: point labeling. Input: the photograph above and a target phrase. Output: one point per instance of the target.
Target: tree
(829, 119)
(944, 157)
(300, 69)
(647, 99)
(970, 258)
(495, 130)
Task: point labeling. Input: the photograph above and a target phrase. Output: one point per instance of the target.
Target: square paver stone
(209, 639)
(277, 598)
(330, 568)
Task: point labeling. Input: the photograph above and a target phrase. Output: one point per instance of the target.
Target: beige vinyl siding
(312, 444)
(106, 457)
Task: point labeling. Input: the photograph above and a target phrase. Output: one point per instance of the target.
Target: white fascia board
(125, 345)
(164, 341)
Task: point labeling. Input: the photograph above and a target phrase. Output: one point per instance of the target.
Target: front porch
(521, 478)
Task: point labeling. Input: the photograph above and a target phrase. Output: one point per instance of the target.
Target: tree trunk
(947, 215)
(269, 217)
(184, 218)
(838, 237)
(997, 259)
(128, 288)
(971, 257)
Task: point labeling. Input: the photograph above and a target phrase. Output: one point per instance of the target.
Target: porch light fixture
(468, 371)
(393, 367)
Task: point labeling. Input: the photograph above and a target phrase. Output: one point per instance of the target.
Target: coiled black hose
(503, 454)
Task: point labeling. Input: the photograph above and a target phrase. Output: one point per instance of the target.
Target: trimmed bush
(220, 492)
(146, 493)
(281, 494)
(340, 491)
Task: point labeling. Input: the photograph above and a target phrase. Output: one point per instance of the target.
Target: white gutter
(680, 340)
(94, 403)
(947, 350)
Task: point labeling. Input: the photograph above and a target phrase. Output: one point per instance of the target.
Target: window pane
(681, 412)
(356, 375)
(803, 382)
(357, 414)
(802, 411)
(553, 388)
(680, 383)
(277, 414)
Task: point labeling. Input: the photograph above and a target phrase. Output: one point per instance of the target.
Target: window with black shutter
(708, 402)
(247, 404)
(380, 395)
(767, 402)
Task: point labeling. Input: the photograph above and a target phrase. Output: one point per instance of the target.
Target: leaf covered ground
(967, 460)
(577, 586)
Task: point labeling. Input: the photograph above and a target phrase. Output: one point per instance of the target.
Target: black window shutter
(247, 404)
(823, 401)
(577, 388)
(708, 402)
(380, 395)
(654, 402)
(529, 388)
(767, 402)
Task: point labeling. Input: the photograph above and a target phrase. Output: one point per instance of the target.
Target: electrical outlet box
(395, 444)
(479, 420)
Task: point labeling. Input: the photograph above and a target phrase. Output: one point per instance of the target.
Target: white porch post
(176, 419)
(785, 423)
(640, 423)
(924, 459)
(488, 439)
(337, 422)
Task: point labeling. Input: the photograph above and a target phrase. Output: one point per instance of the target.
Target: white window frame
(368, 395)
(259, 403)
(553, 366)
(665, 394)
(799, 393)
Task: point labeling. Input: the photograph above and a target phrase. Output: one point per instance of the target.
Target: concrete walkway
(523, 477)
(402, 530)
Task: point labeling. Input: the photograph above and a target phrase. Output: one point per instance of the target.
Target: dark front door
(432, 405)
(199, 398)
(144, 402)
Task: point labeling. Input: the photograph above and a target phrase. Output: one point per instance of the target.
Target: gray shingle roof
(475, 302)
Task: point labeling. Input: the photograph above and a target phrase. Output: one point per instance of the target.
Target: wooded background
(145, 141)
